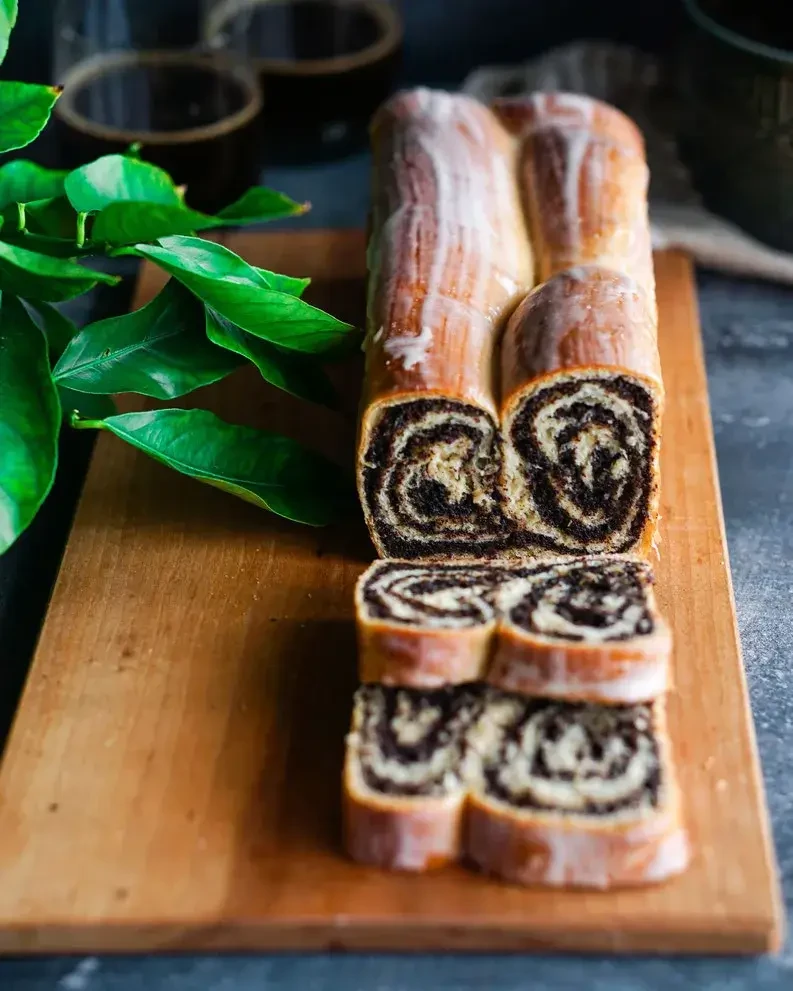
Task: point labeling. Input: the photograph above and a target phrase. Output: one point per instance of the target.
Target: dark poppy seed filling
(413, 742)
(430, 481)
(589, 601)
(578, 473)
(440, 596)
(579, 470)
(592, 600)
(564, 757)
(568, 757)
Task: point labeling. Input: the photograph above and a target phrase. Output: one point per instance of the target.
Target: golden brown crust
(393, 832)
(522, 115)
(584, 182)
(394, 654)
(524, 850)
(449, 254)
(529, 847)
(611, 672)
(414, 834)
(586, 319)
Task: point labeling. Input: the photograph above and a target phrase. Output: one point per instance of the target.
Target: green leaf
(50, 227)
(160, 350)
(286, 370)
(284, 283)
(53, 217)
(24, 110)
(261, 204)
(36, 276)
(242, 295)
(273, 472)
(8, 18)
(22, 181)
(115, 178)
(53, 247)
(57, 328)
(29, 423)
(129, 223)
(132, 222)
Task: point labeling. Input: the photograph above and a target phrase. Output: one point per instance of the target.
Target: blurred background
(228, 93)
(444, 39)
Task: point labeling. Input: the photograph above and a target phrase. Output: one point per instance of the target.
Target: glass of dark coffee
(134, 73)
(324, 67)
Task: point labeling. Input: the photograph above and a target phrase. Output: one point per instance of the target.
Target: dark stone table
(748, 331)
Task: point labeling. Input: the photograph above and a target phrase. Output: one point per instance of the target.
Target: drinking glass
(735, 79)
(132, 73)
(324, 67)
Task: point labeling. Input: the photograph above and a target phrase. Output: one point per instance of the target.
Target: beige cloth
(631, 80)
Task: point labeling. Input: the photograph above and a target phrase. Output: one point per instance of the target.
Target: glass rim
(734, 38)
(85, 69)
(226, 9)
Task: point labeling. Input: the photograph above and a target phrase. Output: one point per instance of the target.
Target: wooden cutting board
(172, 778)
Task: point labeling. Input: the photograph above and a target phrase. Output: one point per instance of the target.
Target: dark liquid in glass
(324, 67)
(767, 21)
(194, 116)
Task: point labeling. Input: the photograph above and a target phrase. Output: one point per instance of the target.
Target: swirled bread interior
(593, 600)
(562, 758)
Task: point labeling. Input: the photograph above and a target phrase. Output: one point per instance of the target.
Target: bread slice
(574, 794)
(535, 791)
(585, 629)
(405, 776)
(426, 625)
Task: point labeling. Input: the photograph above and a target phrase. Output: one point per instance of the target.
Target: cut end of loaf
(434, 596)
(427, 478)
(583, 628)
(576, 796)
(577, 760)
(544, 792)
(593, 600)
(580, 464)
(412, 743)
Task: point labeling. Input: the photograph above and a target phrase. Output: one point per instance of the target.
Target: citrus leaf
(115, 178)
(57, 328)
(160, 350)
(242, 294)
(53, 247)
(261, 204)
(291, 372)
(54, 217)
(265, 469)
(30, 422)
(37, 276)
(22, 181)
(284, 283)
(24, 110)
(8, 18)
(131, 222)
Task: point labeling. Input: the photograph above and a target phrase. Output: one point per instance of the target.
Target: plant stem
(81, 218)
(21, 219)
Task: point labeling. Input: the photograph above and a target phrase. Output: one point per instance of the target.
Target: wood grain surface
(172, 778)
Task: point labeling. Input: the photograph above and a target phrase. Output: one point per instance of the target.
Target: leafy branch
(214, 314)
